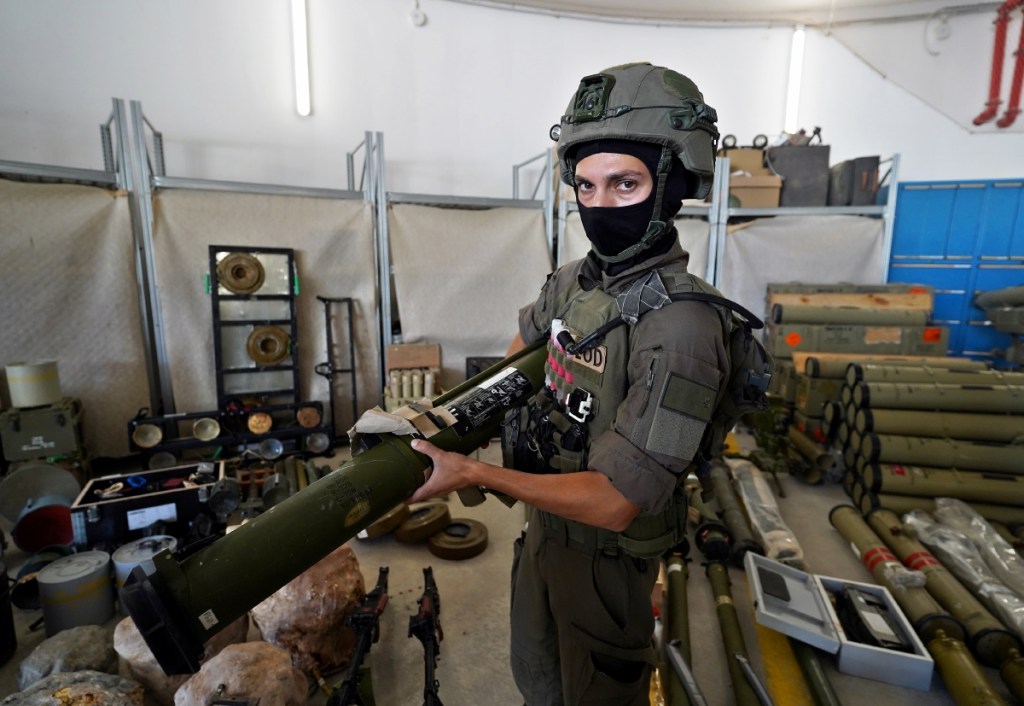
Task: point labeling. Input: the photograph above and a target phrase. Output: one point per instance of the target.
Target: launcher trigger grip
(471, 496)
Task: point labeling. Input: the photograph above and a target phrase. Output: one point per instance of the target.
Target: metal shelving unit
(271, 310)
(720, 213)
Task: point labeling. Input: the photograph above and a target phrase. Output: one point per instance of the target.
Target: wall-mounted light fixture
(796, 70)
(300, 48)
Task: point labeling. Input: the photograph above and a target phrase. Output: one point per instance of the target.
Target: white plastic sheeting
(461, 277)
(67, 282)
(799, 249)
(333, 243)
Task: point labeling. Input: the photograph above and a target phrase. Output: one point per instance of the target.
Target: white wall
(459, 100)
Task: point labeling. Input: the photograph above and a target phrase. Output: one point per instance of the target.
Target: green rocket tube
(836, 367)
(987, 639)
(183, 604)
(732, 514)
(951, 425)
(1012, 673)
(923, 481)
(940, 397)
(677, 624)
(963, 677)
(901, 504)
(925, 614)
(868, 372)
(732, 634)
(943, 453)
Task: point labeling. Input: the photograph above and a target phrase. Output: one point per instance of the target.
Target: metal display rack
(274, 315)
(178, 432)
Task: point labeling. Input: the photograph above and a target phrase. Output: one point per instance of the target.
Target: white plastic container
(35, 384)
(140, 553)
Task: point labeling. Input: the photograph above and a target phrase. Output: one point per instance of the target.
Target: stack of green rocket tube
(911, 434)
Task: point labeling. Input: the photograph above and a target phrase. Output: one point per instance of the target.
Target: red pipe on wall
(995, 83)
(1013, 108)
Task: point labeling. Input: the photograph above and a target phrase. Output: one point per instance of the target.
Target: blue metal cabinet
(961, 238)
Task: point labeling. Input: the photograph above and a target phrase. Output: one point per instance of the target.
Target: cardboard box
(756, 191)
(798, 604)
(745, 159)
(402, 356)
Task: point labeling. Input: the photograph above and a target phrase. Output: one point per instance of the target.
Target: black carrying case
(854, 182)
(157, 496)
(804, 171)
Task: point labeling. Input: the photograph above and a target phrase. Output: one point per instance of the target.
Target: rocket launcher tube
(986, 636)
(183, 604)
(924, 612)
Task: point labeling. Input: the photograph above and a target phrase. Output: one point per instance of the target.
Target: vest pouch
(567, 461)
(526, 443)
(650, 536)
(568, 444)
(516, 451)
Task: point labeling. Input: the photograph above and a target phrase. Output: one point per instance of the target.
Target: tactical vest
(590, 387)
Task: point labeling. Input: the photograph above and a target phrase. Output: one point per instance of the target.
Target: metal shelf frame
(290, 325)
(133, 155)
(722, 213)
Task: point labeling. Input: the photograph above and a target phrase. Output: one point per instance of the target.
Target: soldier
(602, 450)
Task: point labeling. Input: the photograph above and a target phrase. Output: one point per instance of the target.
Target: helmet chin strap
(655, 228)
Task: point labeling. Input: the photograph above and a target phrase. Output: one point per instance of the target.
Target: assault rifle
(365, 622)
(425, 625)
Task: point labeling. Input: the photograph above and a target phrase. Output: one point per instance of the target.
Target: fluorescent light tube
(796, 70)
(300, 45)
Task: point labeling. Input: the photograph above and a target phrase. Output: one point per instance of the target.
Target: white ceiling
(812, 12)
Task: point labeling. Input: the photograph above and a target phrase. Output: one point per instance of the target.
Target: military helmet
(644, 103)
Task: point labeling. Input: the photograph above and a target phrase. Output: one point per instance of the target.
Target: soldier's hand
(444, 477)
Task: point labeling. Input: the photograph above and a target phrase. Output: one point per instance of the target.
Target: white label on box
(208, 619)
(139, 519)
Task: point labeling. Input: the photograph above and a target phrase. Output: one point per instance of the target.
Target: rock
(141, 665)
(307, 616)
(86, 688)
(87, 647)
(247, 671)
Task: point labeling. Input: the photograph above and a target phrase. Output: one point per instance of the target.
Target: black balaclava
(612, 229)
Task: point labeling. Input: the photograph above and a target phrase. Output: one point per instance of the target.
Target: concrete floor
(473, 668)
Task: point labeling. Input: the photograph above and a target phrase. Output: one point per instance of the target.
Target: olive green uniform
(581, 614)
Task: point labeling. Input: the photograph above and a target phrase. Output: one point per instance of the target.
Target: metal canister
(140, 553)
(76, 590)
